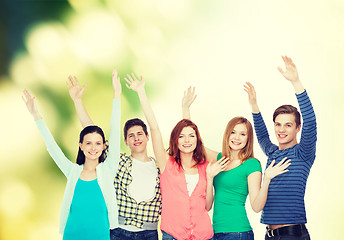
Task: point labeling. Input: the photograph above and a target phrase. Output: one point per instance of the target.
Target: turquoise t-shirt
(231, 190)
(88, 216)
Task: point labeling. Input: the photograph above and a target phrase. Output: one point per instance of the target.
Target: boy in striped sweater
(284, 212)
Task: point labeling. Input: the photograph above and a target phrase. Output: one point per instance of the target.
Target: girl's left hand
(215, 168)
(280, 168)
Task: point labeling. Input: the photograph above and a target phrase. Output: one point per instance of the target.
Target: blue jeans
(121, 234)
(235, 236)
(166, 236)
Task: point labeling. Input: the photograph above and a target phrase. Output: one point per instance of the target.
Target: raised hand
(74, 89)
(215, 168)
(189, 97)
(134, 84)
(116, 84)
(280, 168)
(31, 104)
(252, 98)
(290, 72)
(251, 93)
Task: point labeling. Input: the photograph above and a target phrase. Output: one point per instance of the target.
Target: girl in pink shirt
(186, 194)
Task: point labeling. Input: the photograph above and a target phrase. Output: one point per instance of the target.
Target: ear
(80, 145)
(104, 146)
(298, 128)
(147, 137)
(125, 141)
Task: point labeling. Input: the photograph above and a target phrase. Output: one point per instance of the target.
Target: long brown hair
(247, 151)
(199, 152)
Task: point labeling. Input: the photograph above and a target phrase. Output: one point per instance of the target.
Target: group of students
(112, 195)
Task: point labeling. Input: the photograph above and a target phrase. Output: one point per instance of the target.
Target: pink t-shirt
(183, 216)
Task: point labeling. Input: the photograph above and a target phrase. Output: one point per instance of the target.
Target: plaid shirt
(134, 213)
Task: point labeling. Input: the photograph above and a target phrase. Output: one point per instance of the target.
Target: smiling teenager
(184, 187)
(136, 181)
(241, 176)
(88, 209)
(284, 212)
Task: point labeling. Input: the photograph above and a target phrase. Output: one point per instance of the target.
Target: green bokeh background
(213, 45)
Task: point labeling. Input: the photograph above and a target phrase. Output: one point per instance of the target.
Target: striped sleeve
(309, 128)
(262, 134)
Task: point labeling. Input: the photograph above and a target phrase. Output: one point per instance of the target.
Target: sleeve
(219, 156)
(262, 134)
(252, 165)
(112, 160)
(309, 127)
(54, 150)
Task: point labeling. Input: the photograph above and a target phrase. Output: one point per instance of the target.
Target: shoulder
(252, 164)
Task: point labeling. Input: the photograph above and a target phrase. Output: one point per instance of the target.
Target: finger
(280, 70)
(282, 161)
(76, 81)
(142, 79)
(128, 81)
(70, 82)
(24, 99)
(272, 163)
(134, 77)
(130, 78)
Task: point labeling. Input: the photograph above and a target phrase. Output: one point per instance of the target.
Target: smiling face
(187, 140)
(286, 130)
(136, 139)
(238, 137)
(92, 146)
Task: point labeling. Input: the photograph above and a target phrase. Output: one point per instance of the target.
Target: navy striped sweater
(285, 202)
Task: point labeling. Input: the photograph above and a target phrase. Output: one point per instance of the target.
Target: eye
(232, 132)
(88, 143)
(181, 136)
(243, 134)
(140, 134)
(192, 135)
(99, 143)
(289, 125)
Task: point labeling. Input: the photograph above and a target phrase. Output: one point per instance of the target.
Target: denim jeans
(235, 236)
(121, 234)
(166, 236)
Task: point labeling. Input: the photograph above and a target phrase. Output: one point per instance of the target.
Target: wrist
(266, 179)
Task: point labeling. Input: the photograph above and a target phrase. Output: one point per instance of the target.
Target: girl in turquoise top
(242, 176)
(89, 207)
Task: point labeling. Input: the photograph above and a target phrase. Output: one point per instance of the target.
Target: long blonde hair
(247, 151)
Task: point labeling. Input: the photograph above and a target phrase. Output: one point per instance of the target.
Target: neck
(283, 146)
(91, 164)
(143, 157)
(187, 159)
(234, 155)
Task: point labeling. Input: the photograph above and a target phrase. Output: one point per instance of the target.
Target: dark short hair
(288, 109)
(134, 122)
(80, 159)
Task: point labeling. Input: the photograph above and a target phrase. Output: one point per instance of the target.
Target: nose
(282, 129)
